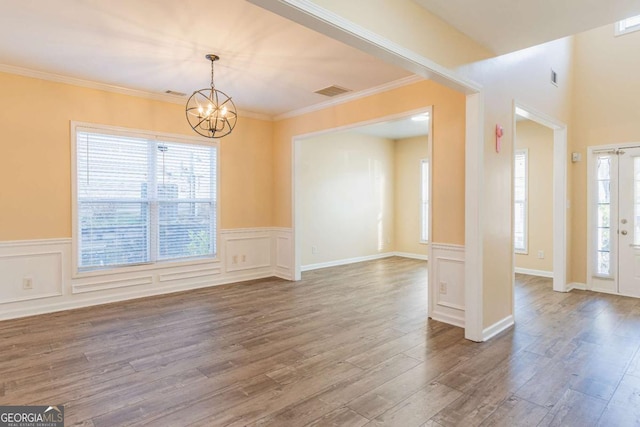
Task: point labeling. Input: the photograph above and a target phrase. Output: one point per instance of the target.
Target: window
(142, 199)
(603, 215)
(520, 207)
(424, 201)
(628, 25)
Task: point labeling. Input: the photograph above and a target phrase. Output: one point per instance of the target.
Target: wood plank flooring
(346, 346)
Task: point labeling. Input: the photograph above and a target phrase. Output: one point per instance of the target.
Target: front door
(629, 221)
(615, 220)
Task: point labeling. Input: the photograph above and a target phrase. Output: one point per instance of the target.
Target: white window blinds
(142, 200)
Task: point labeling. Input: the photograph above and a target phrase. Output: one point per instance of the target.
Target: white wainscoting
(447, 271)
(245, 254)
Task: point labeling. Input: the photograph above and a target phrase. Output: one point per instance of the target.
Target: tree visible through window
(142, 199)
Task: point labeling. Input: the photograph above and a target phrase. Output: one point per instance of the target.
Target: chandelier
(211, 112)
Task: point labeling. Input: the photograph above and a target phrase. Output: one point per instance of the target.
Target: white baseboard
(346, 261)
(447, 318)
(497, 327)
(412, 256)
(575, 285)
(355, 260)
(530, 272)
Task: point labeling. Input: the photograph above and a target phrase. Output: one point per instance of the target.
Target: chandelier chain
(213, 86)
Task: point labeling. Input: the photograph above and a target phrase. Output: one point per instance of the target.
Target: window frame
(525, 249)
(593, 203)
(150, 135)
(425, 210)
(620, 27)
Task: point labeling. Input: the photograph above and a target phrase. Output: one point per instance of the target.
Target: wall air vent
(332, 91)
(554, 78)
(174, 92)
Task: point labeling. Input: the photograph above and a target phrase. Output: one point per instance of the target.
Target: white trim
(497, 327)
(75, 127)
(41, 242)
(530, 272)
(591, 237)
(448, 318)
(578, 286)
(74, 81)
(310, 267)
(448, 304)
(351, 96)
(560, 202)
(474, 218)
(448, 247)
(412, 256)
(387, 118)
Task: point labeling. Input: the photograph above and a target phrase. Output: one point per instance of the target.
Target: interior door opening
(557, 260)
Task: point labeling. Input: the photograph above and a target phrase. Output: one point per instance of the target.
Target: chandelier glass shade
(211, 112)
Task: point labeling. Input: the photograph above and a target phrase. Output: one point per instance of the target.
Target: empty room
(319, 213)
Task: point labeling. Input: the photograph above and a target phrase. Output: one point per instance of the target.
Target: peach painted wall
(606, 111)
(448, 148)
(538, 140)
(35, 166)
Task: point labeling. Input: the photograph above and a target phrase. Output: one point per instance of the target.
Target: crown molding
(351, 96)
(58, 78)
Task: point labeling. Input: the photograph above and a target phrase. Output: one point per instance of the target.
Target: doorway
(614, 220)
(559, 190)
(345, 191)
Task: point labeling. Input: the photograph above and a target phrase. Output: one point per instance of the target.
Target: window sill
(424, 242)
(145, 267)
(517, 252)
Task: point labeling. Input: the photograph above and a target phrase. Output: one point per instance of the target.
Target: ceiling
(509, 25)
(269, 65)
(406, 127)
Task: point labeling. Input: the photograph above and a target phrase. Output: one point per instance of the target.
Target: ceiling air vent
(332, 91)
(176, 93)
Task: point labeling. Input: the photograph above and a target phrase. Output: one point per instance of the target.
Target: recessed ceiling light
(420, 117)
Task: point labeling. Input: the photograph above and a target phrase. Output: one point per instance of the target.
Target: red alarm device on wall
(499, 133)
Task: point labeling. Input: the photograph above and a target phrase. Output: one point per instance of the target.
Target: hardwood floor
(346, 346)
